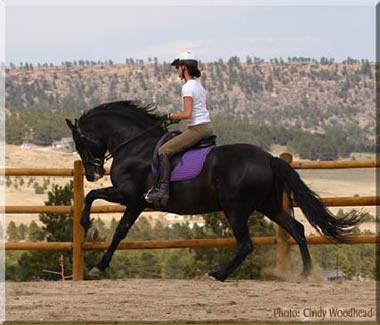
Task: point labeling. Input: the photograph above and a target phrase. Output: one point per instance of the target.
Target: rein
(111, 154)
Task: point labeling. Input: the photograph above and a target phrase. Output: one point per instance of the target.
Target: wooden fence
(78, 246)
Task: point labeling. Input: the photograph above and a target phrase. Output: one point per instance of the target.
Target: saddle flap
(179, 161)
(165, 138)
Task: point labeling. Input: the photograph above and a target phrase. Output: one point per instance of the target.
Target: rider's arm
(187, 110)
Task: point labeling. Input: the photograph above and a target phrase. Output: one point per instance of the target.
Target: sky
(57, 31)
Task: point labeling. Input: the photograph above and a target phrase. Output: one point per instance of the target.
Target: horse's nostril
(90, 177)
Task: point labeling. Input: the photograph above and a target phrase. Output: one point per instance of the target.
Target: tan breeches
(186, 139)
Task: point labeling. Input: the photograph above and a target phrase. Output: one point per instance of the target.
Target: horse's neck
(135, 144)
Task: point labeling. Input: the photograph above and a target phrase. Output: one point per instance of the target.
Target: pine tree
(12, 231)
(35, 233)
(23, 231)
(58, 227)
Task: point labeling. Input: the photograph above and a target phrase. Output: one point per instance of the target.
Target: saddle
(186, 164)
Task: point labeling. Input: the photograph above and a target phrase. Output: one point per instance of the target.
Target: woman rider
(194, 110)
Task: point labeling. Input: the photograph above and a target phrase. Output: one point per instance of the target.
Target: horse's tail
(319, 216)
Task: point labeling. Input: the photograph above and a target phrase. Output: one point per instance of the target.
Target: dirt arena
(203, 300)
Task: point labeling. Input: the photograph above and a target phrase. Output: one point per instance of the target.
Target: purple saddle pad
(189, 166)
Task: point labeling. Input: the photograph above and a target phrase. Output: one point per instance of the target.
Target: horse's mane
(135, 111)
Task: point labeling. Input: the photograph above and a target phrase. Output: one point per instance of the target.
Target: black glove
(166, 118)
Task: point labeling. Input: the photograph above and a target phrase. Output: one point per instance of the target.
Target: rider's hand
(166, 118)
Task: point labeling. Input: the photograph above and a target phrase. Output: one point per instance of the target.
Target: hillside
(300, 94)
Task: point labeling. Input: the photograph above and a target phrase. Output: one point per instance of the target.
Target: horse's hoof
(95, 273)
(215, 276)
(211, 277)
(304, 275)
(92, 234)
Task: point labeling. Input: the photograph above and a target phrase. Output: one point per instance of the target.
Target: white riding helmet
(186, 57)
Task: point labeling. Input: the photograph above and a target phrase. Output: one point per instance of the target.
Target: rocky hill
(301, 93)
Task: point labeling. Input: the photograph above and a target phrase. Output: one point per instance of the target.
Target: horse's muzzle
(95, 173)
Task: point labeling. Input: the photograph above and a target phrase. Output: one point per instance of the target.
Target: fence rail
(113, 208)
(78, 246)
(188, 243)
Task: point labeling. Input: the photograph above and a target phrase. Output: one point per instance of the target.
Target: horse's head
(91, 151)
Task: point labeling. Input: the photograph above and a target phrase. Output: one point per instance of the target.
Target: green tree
(12, 231)
(23, 231)
(58, 227)
(35, 232)
(178, 264)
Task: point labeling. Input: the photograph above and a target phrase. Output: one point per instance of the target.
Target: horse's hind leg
(297, 231)
(239, 225)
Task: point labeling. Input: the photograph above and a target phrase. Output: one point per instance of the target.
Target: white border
(2, 160)
(102, 3)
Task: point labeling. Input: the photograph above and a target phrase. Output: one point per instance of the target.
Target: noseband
(97, 162)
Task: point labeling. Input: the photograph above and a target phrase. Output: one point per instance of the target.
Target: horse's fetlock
(248, 250)
(245, 248)
(86, 225)
(217, 276)
(102, 265)
(88, 199)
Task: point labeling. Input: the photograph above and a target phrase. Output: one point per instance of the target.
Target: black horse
(237, 179)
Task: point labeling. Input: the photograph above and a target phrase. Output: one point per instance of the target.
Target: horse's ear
(70, 124)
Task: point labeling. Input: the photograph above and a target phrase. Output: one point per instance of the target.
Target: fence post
(283, 248)
(78, 234)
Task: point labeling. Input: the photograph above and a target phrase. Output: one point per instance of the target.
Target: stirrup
(146, 196)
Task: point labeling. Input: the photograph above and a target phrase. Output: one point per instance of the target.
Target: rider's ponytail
(193, 71)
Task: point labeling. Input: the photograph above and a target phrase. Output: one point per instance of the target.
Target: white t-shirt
(193, 88)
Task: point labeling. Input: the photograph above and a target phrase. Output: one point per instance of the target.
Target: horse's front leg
(129, 217)
(110, 194)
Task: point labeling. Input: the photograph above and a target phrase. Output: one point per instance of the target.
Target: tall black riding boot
(161, 192)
